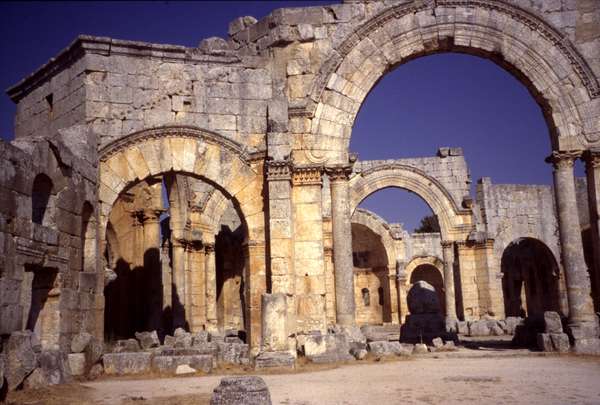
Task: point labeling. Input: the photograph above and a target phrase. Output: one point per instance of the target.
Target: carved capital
(278, 170)
(591, 157)
(339, 172)
(563, 159)
(307, 175)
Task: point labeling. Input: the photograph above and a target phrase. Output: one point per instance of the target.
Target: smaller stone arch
(433, 273)
(455, 223)
(380, 227)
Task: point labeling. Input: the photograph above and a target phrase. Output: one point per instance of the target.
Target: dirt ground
(455, 379)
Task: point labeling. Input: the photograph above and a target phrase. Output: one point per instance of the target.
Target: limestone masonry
(167, 208)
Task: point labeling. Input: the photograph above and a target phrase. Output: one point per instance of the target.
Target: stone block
(246, 390)
(168, 364)
(423, 299)
(21, 353)
(279, 359)
(437, 343)
(479, 328)
(80, 342)
(420, 348)
(126, 346)
(77, 364)
(511, 324)
(384, 348)
(552, 322)
(147, 340)
(55, 368)
(544, 342)
(463, 327)
(560, 342)
(96, 371)
(233, 353)
(184, 369)
(200, 338)
(127, 363)
(274, 334)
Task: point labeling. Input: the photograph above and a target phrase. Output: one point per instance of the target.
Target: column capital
(209, 248)
(339, 172)
(279, 170)
(563, 159)
(307, 175)
(447, 244)
(591, 157)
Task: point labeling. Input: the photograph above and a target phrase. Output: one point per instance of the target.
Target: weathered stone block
(552, 322)
(21, 353)
(126, 346)
(560, 342)
(234, 353)
(80, 342)
(280, 359)
(544, 342)
(147, 340)
(77, 364)
(250, 390)
(127, 363)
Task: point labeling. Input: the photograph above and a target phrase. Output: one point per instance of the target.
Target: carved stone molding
(591, 157)
(307, 175)
(209, 248)
(278, 170)
(563, 159)
(339, 172)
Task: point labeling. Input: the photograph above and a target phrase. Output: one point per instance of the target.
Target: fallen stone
(420, 348)
(560, 342)
(127, 363)
(247, 390)
(552, 322)
(96, 371)
(463, 327)
(423, 299)
(21, 353)
(169, 364)
(93, 351)
(147, 340)
(479, 328)
(184, 369)
(169, 341)
(511, 324)
(80, 342)
(126, 346)
(495, 328)
(233, 353)
(374, 333)
(77, 364)
(359, 354)
(544, 342)
(200, 338)
(280, 359)
(437, 343)
(449, 346)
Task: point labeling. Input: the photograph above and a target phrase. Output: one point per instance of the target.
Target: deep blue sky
(440, 100)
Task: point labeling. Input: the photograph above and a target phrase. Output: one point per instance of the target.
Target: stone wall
(46, 283)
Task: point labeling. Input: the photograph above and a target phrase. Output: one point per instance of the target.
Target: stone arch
(415, 262)
(380, 227)
(531, 272)
(538, 55)
(201, 154)
(427, 263)
(455, 223)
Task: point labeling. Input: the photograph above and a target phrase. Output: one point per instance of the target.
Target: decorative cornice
(279, 170)
(339, 172)
(563, 159)
(307, 175)
(591, 158)
(172, 131)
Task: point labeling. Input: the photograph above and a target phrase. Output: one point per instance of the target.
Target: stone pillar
(210, 268)
(152, 269)
(342, 244)
(450, 299)
(274, 331)
(582, 323)
(393, 288)
(196, 308)
(401, 289)
(178, 296)
(592, 169)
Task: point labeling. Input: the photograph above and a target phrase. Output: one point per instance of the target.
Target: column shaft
(342, 245)
(152, 270)
(592, 168)
(450, 299)
(178, 296)
(211, 287)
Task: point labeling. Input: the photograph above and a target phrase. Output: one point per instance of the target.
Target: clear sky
(440, 100)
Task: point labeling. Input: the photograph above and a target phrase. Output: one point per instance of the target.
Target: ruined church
(210, 191)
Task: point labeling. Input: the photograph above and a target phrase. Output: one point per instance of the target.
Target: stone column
(342, 244)
(195, 309)
(152, 269)
(210, 268)
(401, 289)
(582, 323)
(450, 300)
(178, 296)
(592, 169)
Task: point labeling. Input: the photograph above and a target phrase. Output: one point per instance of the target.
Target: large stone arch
(455, 223)
(540, 56)
(186, 150)
(205, 155)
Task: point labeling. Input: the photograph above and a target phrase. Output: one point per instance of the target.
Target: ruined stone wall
(45, 283)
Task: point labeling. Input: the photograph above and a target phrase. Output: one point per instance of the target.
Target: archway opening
(432, 276)
(175, 243)
(530, 279)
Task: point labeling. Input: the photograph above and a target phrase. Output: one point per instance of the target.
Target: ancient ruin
(164, 206)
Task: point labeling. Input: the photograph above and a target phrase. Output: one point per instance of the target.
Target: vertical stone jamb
(401, 289)
(592, 169)
(152, 268)
(178, 298)
(450, 298)
(211, 287)
(342, 244)
(582, 323)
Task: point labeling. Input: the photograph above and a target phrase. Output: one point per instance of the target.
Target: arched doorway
(530, 278)
(431, 275)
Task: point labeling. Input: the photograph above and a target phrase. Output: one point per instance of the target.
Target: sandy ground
(429, 380)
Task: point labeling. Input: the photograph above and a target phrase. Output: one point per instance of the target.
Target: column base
(586, 337)
(451, 324)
